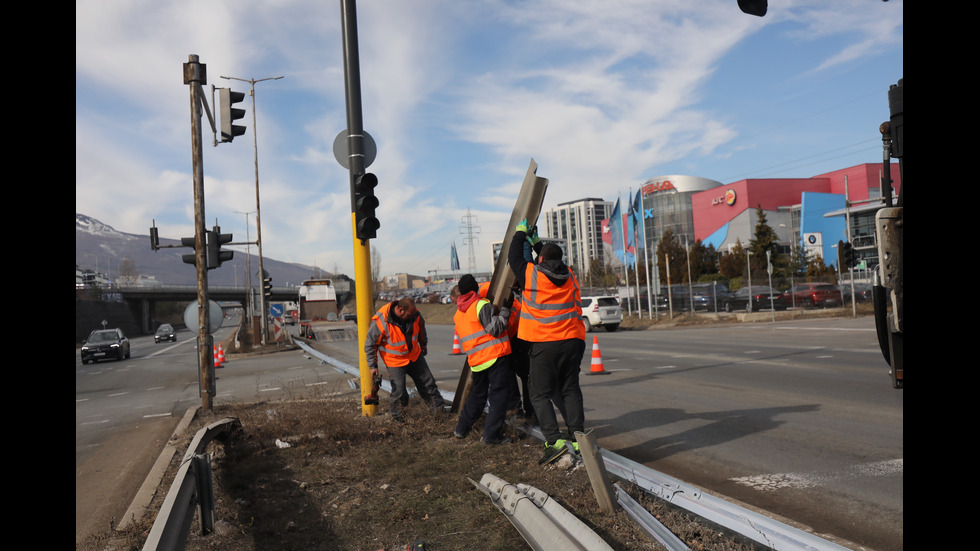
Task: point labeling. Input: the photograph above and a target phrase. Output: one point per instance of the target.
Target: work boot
(553, 451)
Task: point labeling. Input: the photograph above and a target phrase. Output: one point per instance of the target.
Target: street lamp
(258, 221)
(248, 272)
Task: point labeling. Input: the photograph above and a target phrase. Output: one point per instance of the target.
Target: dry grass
(351, 482)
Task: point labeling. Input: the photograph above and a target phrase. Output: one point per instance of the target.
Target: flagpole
(626, 272)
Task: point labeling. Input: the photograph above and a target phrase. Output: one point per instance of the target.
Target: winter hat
(467, 284)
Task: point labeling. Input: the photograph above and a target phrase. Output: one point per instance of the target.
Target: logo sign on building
(654, 187)
(813, 244)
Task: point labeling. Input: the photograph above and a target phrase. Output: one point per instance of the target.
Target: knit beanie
(467, 284)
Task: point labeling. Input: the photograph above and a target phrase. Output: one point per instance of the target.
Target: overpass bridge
(142, 300)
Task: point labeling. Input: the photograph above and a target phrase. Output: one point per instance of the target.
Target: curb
(141, 502)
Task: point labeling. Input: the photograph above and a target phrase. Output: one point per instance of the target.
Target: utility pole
(263, 307)
(195, 76)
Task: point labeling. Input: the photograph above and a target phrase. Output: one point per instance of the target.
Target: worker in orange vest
(397, 334)
(551, 320)
(486, 342)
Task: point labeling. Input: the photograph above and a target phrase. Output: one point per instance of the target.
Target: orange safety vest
(392, 345)
(481, 347)
(550, 313)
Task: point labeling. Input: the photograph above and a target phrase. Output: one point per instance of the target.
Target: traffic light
(754, 7)
(189, 258)
(215, 255)
(267, 287)
(154, 239)
(227, 98)
(845, 254)
(365, 222)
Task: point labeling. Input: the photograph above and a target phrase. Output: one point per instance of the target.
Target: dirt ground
(318, 475)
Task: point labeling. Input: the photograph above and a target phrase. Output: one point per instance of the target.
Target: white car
(601, 312)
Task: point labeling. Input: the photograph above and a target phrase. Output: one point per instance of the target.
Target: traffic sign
(341, 149)
(276, 310)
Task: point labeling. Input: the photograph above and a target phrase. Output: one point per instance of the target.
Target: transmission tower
(469, 229)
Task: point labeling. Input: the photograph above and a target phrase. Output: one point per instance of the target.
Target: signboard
(215, 316)
(276, 310)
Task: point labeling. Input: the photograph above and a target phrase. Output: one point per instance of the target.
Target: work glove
(532, 236)
(522, 227)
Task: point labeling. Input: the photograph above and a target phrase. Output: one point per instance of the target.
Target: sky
(459, 96)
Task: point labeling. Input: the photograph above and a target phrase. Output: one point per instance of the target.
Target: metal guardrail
(192, 486)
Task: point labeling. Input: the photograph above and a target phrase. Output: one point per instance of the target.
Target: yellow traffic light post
(364, 225)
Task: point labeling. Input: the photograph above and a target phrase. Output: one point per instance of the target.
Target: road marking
(157, 415)
(270, 389)
(118, 394)
(96, 422)
(776, 481)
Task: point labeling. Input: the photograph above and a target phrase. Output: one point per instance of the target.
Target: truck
(317, 301)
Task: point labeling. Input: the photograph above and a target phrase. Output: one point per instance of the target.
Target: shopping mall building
(818, 211)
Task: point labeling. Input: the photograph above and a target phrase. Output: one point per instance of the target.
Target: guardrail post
(597, 472)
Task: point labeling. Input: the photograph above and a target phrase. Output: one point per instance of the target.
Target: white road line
(157, 415)
(776, 481)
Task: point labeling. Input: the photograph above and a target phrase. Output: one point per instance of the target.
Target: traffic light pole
(355, 138)
(195, 76)
(263, 303)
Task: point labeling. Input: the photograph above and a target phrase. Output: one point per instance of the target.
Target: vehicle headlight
(115, 345)
(84, 349)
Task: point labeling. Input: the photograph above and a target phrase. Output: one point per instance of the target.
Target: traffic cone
(457, 348)
(217, 359)
(221, 354)
(596, 359)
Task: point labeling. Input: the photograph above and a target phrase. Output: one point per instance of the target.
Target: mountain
(101, 248)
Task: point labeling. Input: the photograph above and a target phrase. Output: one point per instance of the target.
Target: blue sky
(459, 96)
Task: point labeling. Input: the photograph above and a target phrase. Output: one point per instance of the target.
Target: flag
(453, 259)
(630, 230)
(616, 231)
(638, 220)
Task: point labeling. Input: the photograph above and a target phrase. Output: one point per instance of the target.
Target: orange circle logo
(730, 197)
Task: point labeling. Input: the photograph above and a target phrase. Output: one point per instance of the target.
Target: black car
(756, 298)
(710, 296)
(166, 332)
(105, 344)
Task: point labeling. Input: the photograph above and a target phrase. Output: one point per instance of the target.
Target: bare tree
(128, 274)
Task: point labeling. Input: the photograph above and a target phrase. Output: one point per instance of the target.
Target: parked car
(862, 292)
(104, 344)
(678, 297)
(709, 296)
(348, 316)
(754, 299)
(814, 294)
(165, 332)
(601, 312)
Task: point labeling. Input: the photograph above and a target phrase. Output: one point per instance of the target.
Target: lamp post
(258, 221)
(248, 272)
(748, 267)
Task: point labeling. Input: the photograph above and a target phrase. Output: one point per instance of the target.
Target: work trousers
(555, 370)
(425, 384)
(492, 384)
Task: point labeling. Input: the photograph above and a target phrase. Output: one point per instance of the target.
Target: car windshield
(165, 329)
(608, 301)
(825, 288)
(103, 336)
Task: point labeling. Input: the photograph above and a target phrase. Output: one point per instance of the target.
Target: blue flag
(637, 221)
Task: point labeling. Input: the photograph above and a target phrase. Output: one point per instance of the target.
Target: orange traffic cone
(217, 359)
(457, 348)
(596, 359)
(221, 355)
